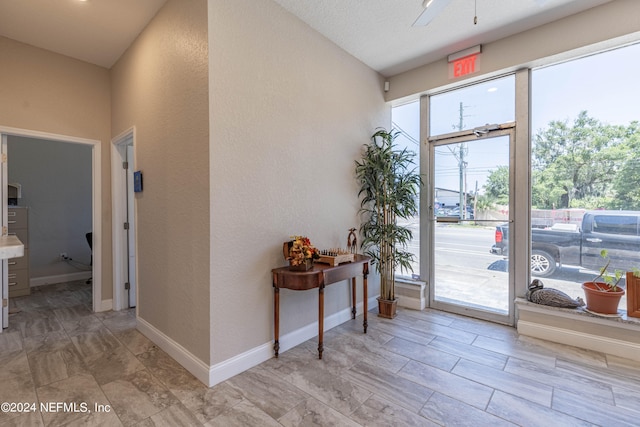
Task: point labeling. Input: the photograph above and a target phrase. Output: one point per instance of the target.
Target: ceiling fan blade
(431, 12)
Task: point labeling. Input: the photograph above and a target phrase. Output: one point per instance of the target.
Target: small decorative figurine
(352, 241)
(538, 294)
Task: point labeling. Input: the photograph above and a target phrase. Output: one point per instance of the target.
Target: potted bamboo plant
(603, 294)
(389, 186)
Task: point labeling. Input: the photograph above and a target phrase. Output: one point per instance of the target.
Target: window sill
(619, 336)
(411, 294)
(581, 313)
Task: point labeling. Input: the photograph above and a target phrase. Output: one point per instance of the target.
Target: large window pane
(406, 120)
(585, 167)
(469, 107)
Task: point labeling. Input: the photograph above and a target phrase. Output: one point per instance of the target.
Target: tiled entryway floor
(420, 369)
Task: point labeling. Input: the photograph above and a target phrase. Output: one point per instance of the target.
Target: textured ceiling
(378, 32)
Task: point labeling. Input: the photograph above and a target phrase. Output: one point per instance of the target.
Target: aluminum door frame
(484, 132)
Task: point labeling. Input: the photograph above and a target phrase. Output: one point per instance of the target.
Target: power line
(405, 133)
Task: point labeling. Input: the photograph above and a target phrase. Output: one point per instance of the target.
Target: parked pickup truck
(580, 245)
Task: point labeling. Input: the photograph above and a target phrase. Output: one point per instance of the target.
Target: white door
(131, 240)
(4, 319)
(124, 250)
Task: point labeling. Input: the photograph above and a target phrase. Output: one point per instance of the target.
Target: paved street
(467, 272)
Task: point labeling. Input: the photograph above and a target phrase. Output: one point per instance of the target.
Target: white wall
(289, 112)
(56, 186)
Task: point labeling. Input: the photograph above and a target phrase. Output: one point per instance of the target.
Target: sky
(605, 85)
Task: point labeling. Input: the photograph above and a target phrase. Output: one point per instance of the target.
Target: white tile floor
(422, 368)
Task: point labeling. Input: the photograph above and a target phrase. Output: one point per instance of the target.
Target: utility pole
(475, 202)
(462, 165)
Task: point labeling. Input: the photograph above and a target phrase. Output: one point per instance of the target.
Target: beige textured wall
(160, 87)
(289, 113)
(603, 26)
(47, 92)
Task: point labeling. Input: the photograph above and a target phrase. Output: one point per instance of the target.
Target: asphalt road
(458, 245)
(465, 248)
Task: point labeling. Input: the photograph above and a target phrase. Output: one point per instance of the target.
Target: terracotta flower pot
(604, 302)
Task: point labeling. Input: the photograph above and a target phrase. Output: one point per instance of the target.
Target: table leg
(353, 297)
(276, 320)
(320, 319)
(365, 273)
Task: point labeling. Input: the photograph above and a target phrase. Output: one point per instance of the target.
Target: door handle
(593, 240)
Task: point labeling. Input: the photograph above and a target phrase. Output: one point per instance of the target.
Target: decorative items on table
(352, 241)
(335, 256)
(300, 253)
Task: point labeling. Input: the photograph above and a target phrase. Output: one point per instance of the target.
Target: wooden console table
(319, 276)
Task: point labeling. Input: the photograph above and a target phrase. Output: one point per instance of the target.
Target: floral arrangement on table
(301, 250)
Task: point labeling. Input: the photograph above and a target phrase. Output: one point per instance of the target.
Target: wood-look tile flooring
(421, 369)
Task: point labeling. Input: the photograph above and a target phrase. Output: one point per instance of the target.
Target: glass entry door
(470, 222)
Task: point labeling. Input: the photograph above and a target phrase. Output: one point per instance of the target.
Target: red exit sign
(464, 62)
(464, 66)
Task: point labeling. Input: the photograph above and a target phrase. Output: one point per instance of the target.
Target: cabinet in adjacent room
(18, 224)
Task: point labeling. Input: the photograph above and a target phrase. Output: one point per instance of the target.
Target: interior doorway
(96, 205)
(124, 228)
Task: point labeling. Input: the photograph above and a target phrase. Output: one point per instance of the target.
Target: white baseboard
(309, 331)
(106, 305)
(215, 374)
(237, 364)
(625, 349)
(190, 362)
(59, 278)
(247, 360)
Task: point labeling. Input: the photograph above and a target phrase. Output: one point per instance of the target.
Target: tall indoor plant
(389, 186)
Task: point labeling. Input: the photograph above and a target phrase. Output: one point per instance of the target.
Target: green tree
(497, 186)
(484, 203)
(626, 183)
(576, 165)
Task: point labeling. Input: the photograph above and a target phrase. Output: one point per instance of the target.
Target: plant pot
(387, 308)
(603, 302)
(305, 266)
(633, 295)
